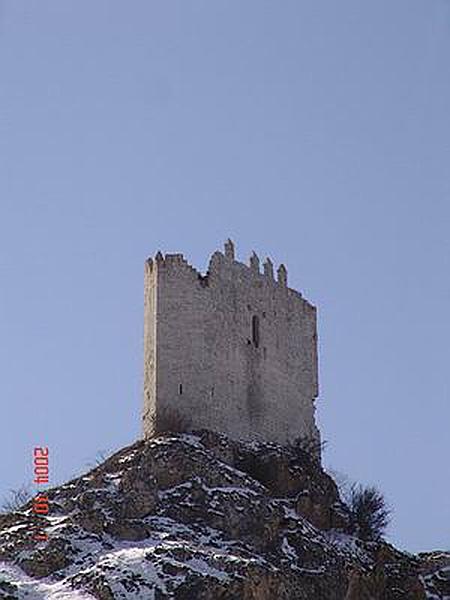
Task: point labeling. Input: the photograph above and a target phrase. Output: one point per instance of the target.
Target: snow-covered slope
(202, 517)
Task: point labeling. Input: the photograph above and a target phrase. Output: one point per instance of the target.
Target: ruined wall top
(223, 260)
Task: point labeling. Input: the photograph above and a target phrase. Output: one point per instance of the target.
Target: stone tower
(234, 350)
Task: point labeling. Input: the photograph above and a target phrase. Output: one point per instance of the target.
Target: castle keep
(234, 350)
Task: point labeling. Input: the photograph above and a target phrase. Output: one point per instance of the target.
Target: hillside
(201, 517)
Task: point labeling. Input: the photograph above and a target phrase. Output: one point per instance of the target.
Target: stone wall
(233, 351)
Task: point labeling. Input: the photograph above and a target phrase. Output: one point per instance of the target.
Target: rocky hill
(201, 517)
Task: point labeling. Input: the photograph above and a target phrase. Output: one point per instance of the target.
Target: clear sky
(316, 132)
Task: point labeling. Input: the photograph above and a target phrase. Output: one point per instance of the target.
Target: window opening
(255, 330)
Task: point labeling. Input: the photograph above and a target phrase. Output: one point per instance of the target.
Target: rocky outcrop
(201, 517)
(435, 573)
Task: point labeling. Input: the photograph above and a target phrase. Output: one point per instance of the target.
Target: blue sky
(316, 132)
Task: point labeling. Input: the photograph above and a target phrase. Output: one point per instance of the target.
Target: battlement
(233, 350)
(169, 261)
(224, 265)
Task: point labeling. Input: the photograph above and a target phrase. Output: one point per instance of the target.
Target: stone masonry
(234, 350)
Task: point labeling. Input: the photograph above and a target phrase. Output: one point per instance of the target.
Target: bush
(369, 513)
(169, 421)
(306, 447)
(16, 499)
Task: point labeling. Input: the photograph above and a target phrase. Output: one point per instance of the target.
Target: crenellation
(149, 264)
(268, 268)
(229, 249)
(175, 264)
(238, 332)
(254, 263)
(282, 275)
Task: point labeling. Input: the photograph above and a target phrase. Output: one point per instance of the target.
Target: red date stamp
(41, 477)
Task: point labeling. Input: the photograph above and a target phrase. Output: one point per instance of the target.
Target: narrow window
(255, 330)
(180, 389)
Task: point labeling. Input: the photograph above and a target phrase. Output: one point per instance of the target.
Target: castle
(234, 350)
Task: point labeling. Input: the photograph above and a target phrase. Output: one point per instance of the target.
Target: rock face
(201, 517)
(435, 569)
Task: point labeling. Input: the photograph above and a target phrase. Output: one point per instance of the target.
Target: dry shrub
(369, 512)
(308, 448)
(16, 499)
